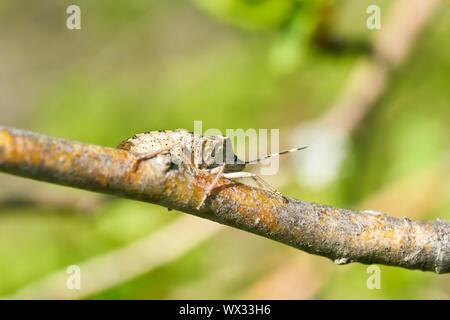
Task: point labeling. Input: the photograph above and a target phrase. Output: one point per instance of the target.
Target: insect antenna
(275, 154)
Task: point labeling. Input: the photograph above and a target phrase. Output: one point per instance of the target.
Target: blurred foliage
(294, 21)
(145, 65)
(251, 14)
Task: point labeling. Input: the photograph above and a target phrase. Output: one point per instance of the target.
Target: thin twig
(300, 269)
(340, 234)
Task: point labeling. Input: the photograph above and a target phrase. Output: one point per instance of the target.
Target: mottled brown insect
(212, 153)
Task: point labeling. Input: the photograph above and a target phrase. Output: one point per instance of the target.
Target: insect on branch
(340, 234)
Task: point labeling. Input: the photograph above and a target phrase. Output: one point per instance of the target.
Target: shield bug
(210, 153)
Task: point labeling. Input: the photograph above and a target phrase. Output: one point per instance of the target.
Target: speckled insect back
(210, 153)
(203, 152)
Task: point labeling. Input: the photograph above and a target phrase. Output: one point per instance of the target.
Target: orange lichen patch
(15, 149)
(325, 212)
(35, 158)
(102, 178)
(381, 218)
(375, 225)
(322, 221)
(336, 212)
(268, 217)
(178, 187)
(391, 234)
(367, 236)
(253, 204)
(5, 138)
(377, 235)
(53, 145)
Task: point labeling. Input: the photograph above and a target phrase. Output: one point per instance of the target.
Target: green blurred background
(145, 65)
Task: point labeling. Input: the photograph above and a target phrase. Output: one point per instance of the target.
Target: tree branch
(340, 234)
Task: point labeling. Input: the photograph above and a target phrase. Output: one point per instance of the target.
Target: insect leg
(211, 186)
(150, 156)
(256, 178)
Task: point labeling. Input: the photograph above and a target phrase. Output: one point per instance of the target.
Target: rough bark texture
(340, 234)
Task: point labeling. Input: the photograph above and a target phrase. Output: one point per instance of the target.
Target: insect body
(212, 153)
(202, 152)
